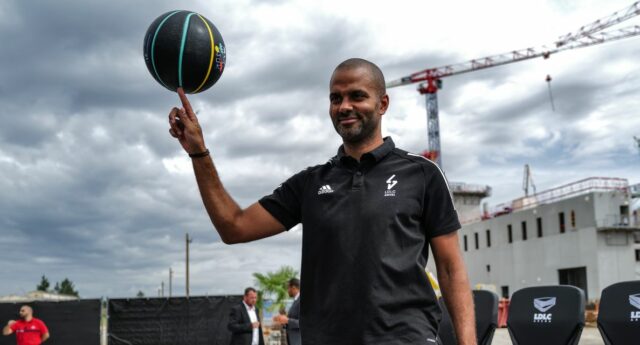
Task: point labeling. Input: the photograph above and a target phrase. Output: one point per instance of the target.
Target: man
(28, 330)
(292, 320)
(244, 322)
(369, 216)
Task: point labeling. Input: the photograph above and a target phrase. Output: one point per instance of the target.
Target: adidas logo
(325, 189)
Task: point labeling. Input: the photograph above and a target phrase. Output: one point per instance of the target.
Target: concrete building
(585, 234)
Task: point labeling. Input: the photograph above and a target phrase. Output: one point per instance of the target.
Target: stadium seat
(619, 314)
(486, 303)
(550, 315)
(486, 310)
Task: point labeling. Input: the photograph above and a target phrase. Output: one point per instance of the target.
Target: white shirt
(254, 318)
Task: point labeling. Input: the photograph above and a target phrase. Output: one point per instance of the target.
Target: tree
(44, 284)
(66, 287)
(273, 285)
(140, 294)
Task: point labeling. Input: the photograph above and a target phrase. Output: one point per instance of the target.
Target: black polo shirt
(366, 229)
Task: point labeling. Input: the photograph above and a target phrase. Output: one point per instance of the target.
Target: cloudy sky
(93, 188)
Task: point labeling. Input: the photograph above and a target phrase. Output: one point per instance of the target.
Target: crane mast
(431, 78)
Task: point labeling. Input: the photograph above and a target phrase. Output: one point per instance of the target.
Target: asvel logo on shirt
(390, 184)
(543, 304)
(325, 189)
(634, 300)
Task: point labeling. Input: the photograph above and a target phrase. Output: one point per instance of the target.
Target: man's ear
(384, 103)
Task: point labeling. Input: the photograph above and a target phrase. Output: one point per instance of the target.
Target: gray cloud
(94, 188)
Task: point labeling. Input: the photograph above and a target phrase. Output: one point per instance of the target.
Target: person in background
(291, 321)
(29, 330)
(244, 321)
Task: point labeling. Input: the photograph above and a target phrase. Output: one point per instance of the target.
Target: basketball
(184, 49)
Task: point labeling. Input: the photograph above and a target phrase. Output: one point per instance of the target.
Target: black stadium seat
(486, 310)
(619, 315)
(549, 315)
(486, 303)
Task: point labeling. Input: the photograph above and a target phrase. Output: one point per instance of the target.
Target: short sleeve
(43, 328)
(439, 213)
(285, 203)
(14, 326)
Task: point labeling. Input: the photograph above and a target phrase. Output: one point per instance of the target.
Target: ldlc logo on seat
(542, 304)
(634, 300)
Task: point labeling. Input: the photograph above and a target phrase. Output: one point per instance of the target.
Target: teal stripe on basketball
(153, 45)
(185, 28)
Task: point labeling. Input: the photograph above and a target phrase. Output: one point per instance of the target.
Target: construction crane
(586, 36)
(527, 180)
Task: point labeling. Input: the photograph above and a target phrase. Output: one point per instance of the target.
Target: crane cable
(548, 79)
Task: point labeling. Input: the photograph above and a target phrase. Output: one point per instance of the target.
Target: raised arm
(233, 223)
(7, 330)
(454, 285)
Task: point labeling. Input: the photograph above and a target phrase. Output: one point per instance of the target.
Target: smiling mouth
(348, 120)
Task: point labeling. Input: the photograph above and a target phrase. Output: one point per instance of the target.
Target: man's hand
(7, 329)
(281, 319)
(255, 324)
(185, 127)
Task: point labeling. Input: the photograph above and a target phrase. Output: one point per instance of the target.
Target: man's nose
(345, 105)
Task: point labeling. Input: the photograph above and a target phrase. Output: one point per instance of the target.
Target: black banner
(170, 321)
(69, 322)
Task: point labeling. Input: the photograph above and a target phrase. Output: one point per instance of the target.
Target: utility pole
(188, 240)
(162, 289)
(170, 281)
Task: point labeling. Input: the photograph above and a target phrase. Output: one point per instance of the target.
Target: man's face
(355, 105)
(25, 312)
(250, 298)
(292, 290)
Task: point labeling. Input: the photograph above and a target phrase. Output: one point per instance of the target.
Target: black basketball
(184, 49)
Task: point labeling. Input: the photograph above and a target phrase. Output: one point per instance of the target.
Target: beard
(358, 132)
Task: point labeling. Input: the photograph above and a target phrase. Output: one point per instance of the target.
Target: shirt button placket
(358, 179)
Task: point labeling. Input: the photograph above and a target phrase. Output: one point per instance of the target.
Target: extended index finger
(185, 103)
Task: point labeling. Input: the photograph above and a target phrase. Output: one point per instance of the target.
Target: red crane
(586, 36)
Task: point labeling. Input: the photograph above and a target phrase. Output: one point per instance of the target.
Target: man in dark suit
(292, 320)
(244, 322)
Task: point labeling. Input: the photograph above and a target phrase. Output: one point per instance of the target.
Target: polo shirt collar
(376, 154)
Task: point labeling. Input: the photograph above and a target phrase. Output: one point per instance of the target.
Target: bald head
(26, 312)
(374, 72)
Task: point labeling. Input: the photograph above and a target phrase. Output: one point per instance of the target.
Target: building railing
(588, 185)
(616, 221)
(461, 187)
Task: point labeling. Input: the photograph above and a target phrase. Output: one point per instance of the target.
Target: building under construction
(585, 233)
